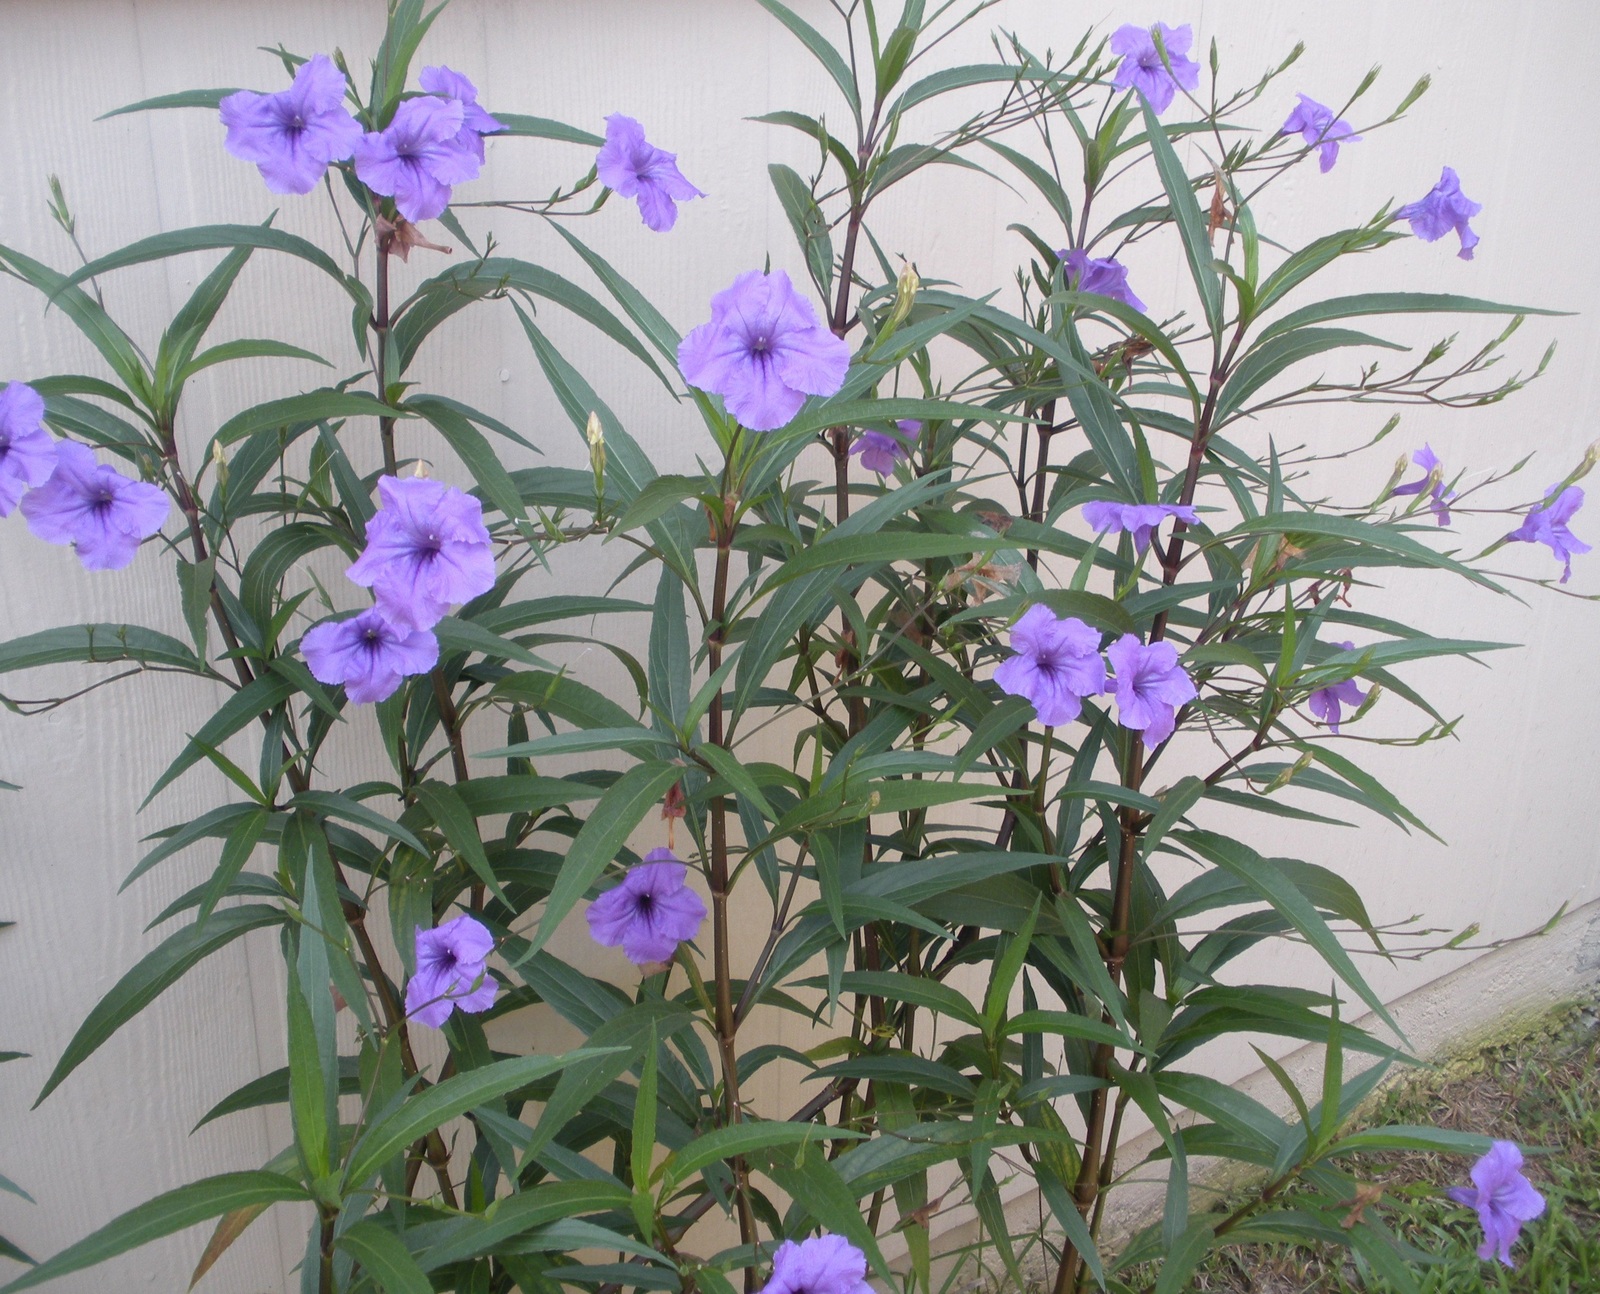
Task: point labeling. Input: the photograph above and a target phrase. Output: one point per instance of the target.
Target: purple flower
(1504, 1198)
(27, 450)
(1316, 125)
(1140, 518)
(1150, 686)
(1427, 460)
(1442, 209)
(292, 136)
(1057, 664)
(650, 913)
(635, 168)
(367, 654)
(451, 959)
(475, 122)
(881, 450)
(1326, 702)
(1107, 277)
(825, 1264)
(1545, 525)
(100, 512)
(1141, 65)
(419, 155)
(427, 550)
(763, 351)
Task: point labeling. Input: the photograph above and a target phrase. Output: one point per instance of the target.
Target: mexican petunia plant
(988, 620)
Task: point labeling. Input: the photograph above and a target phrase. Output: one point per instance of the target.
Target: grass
(1540, 1089)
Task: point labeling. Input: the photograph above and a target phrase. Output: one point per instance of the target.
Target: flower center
(645, 903)
(760, 345)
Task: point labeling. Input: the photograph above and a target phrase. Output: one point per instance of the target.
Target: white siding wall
(1514, 794)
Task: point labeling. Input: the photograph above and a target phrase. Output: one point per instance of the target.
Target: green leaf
(155, 972)
(451, 815)
(1183, 1256)
(310, 407)
(273, 1089)
(601, 837)
(247, 348)
(642, 1151)
(1277, 889)
(236, 850)
(1068, 1025)
(205, 238)
(743, 1139)
(1191, 224)
(307, 1108)
(455, 634)
(114, 345)
(515, 1215)
(1275, 354)
(813, 1181)
(183, 99)
(516, 123)
(820, 49)
(392, 1132)
(809, 224)
(473, 450)
(385, 1257)
(173, 1211)
(1386, 538)
(331, 804)
(916, 989)
(98, 644)
(1394, 303)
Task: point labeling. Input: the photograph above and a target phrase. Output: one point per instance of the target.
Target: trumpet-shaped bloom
(475, 122)
(1443, 208)
(293, 136)
(1150, 685)
(1142, 69)
(1057, 664)
(427, 550)
(100, 512)
(825, 1264)
(419, 155)
(27, 450)
(1327, 702)
(451, 960)
(367, 654)
(1315, 123)
(1427, 460)
(634, 168)
(1503, 1197)
(763, 351)
(1106, 276)
(650, 913)
(881, 450)
(1140, 518)
(1545, 525)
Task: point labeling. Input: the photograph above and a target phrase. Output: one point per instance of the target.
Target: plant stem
(380, 355)
(726, 1022)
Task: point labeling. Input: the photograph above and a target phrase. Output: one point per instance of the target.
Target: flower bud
(905, 296)
(595, 434)
(220, 462)
(420, 470)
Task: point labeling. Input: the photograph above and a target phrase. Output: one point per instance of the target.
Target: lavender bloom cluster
(763, 351)
(650, 913)
(427, 550)
(1503, 1197)
(881, 450)
(825, 1264)
(66, 495)
(433, 142)
(1315, 123)
(1106, 276)
(1547, 525)
(452, 972)
(634, 168)
(1142, 68)
(1057, 664)
(1432, 481)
